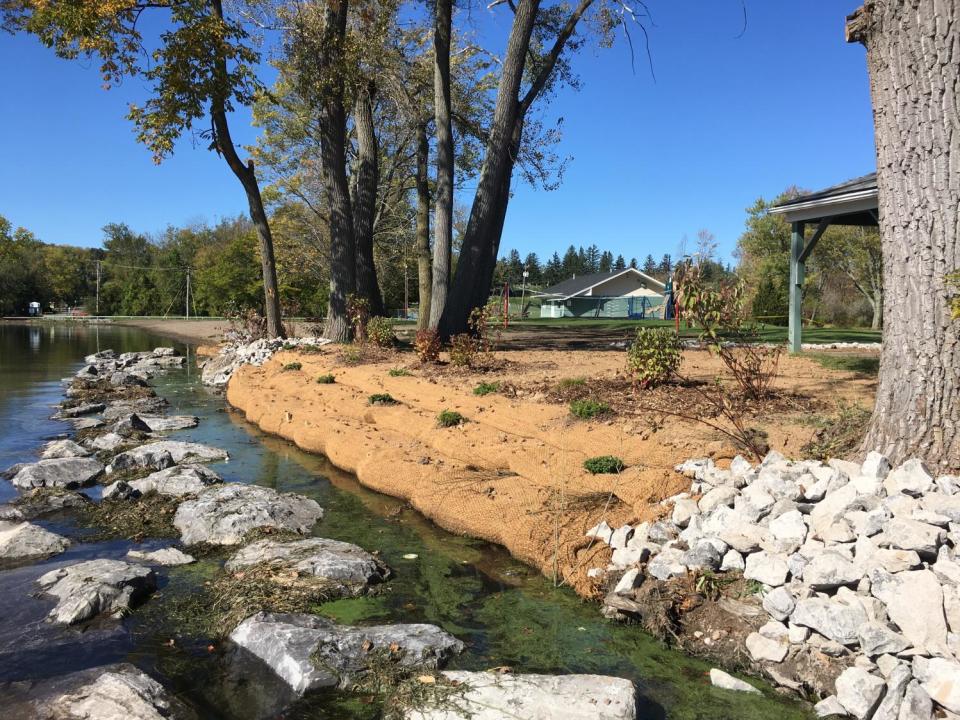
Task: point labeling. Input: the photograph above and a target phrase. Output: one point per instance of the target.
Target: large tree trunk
(248, 178)
(471, 283)
(365, 207)
(443, 203)
(914, 76)
(333, 162)
(424, 271)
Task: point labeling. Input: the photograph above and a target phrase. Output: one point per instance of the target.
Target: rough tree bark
(477, 260)
(914, 76)
(365, 207)
(424, 271)
(248, 179)
(333, 162)
(443, 202)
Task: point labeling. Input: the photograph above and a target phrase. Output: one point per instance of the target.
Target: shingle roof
(866, 182)
(577, 285)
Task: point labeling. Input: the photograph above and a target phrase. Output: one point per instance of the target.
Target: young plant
(426, 344)
(570, 383)
(398, 372)
(603, 464)
(358, 310)
(325, 379)
(653, 357)
(450, 418)
(485, 388)
(382, 399)
(463, 350)
(588, 409)
(380, 331)
(291, 366)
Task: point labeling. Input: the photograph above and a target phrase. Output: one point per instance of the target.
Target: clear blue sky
(728, 119)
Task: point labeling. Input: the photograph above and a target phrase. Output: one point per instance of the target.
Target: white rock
(668, 564)
(63, 449)
(911, 478)
(683, 510)
(631, 578)
(716, 497)
(620, 537)
(875, 466)
(732, 560)
(877, 639)
(828, 707)
(830, 570)
(164, 453)
(86, 589)
(789, 526)
(832, 618)
(495, 696)
(601, 531)
(859, 692)
(779, 603)
(20, 541)
(897, 679)
(914, 602)
(764, 648)
(916, 703)
(720, 679)
(768, 569)
(948, 484)
(740, 465)
(797, 634)
(168, 557)
(941, 679)
(946, 568)
(71, 472)
(113, 692)
(903, 534)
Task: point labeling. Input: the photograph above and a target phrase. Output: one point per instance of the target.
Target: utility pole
(187, 313)
(98, 287)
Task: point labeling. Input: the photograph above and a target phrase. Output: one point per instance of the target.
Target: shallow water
(506, 613)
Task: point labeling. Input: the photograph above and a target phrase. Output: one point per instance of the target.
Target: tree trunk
(333, 162)
(424, 271)
(443, 203)
(364, 210)
(248, 178)
(914, 75)
(471, 283)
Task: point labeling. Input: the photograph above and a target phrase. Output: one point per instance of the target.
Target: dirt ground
(513, 472)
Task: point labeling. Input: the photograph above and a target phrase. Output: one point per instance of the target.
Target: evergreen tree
(553, 272)
(666, 265)
(606, 261)
(535, 272)
(633, 263)
(592, 260)
(649, 265)
(620, 263)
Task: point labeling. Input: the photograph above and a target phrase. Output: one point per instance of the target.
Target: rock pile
(218, 370)
(855, 562)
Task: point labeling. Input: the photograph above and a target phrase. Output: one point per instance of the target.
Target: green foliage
(839, 436)
(953, 282)
(571, 383)
(426, 344)
(358, 311)
(485, 388)
(654, 356)
(450, 418)
(770, 303)
(292, 366)
(398, 372)
(327, 379)
(603, 465)
(463, 350)
(382, 399)
(380, 331)
(865, 365)
(588, 409)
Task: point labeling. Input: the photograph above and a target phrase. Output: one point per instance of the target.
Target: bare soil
(513, 473)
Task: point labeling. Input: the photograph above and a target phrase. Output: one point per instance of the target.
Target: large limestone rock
(177, 481)
(914, 601)
(137, 406)
(167, 557)
(720, 679)
(115, 692)
(166, 453)
(223, 515)
(21, 541)
(310, 652)
(95, 587)
(347, 566)
(493, 696)
(63, 449)
(832, 618)
(941, 679)
(859, 692)
(158, 423)
(80, 410)
(70, 472)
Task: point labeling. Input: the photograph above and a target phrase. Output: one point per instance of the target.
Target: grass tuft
(450, 418)
(292, 366)
(327, 379)
(382, 399)
(398, 372)
(588, 409)
(485, 388)
(603, 465)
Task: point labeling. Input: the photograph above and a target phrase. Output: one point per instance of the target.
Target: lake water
(506, 613)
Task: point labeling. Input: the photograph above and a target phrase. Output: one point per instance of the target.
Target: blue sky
(726, 120)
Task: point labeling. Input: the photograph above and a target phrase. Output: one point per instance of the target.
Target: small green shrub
(380, 331)
(352, 354)
(604, 464)
(426, 344)
(382, 399)
(463, 349)
(292, 366)
(485, 388)
(398, 372)
(325, 379)
(654, 356)
(587, 409)
(450, 418)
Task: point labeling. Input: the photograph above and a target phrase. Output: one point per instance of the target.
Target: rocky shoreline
(120, 446)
